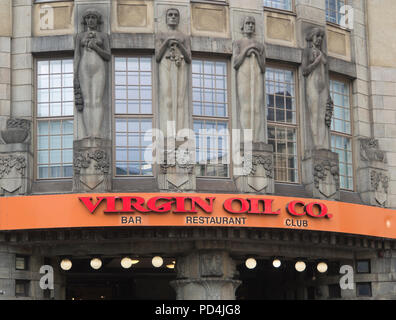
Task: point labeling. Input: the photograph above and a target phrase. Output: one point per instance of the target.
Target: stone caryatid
(173, 54)
(317, 90)
(92, 52)
(249, 63)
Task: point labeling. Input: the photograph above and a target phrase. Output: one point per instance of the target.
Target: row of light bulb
(126, 263)
(300, 266)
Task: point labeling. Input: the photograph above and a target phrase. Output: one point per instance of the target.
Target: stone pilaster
(206, 275)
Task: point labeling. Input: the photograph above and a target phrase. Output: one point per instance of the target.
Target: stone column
(206, 275)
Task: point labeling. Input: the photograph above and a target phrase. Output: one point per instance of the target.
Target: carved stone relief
(259, 171)
(373, 173)
(12, 172)
(179, 173)
(369, 150)
(211, 265)
(326, 178)
(92, 167)
(206, 275)
(256, 173)
(92, 52)
(380, 184)
(317, 93)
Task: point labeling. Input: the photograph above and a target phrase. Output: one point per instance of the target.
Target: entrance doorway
(265, 282)
(112, 282)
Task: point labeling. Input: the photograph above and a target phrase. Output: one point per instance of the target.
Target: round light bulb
(126, 263)
(300, 266)
(322, 267)
(96, 263)
(66, 264)
(251, 263)
(276, 263)
(157, 261)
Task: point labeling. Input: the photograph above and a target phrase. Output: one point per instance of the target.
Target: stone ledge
(342, 67)
(52, 43)
(132, 41)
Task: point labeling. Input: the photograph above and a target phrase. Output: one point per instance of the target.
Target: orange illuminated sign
(219, 210)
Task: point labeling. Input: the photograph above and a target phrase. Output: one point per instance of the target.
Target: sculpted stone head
(316, 36)
(92, 19)
(249, 25)
(172, 17)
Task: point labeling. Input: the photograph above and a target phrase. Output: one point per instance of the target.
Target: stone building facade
(81, 83)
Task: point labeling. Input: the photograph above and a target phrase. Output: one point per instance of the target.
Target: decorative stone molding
(372, 173)
(379, 183)
(321, 174)
(13, 173)
(177, 175)
(82, 161)
(329, 112)
(206, 275)
(322, 171)
(11, 161)
(369, 150)
(17, 131)
(257, 172)
(91, 165)
(251, 164)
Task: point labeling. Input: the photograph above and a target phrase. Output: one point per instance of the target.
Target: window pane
(333, 10)
(212, 147)
(209, 88)
(133, 156)
(284, 143)
(133, 85)
(341, 123)
(279, 4)
(342, 146)
(280, 94)
(55, 98)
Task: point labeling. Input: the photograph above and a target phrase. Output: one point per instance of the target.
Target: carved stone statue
(92, 52)
(317, 92)
(173, 54)
(249, 63)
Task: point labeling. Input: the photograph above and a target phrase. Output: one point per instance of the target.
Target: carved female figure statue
(317, 92)
(249, 63)
(92, 51)
(173, 54)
